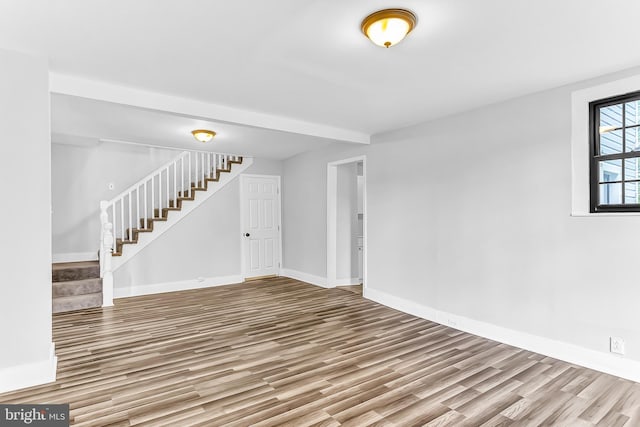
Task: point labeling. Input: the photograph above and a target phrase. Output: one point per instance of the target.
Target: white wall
(304, 215)
(25, 254)
(470, 215)
(80, 176)
(492, 239)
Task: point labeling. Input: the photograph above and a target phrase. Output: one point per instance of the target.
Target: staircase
(147, 209)
(209, 175)
(76, 285)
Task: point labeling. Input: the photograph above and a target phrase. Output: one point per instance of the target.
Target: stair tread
(78, 282)
(76, 297)
(80, 264)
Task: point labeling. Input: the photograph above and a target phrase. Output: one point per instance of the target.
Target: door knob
(247, 234)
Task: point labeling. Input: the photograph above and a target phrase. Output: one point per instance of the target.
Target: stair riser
(67, 274)
(78, 287)
(78, 302)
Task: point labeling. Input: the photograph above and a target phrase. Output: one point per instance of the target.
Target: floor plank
(281, 352)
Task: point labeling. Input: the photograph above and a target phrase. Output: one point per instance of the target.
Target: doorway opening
(347, 224)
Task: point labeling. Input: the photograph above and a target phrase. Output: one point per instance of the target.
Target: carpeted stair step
(65, 271)
(77, 302)
(77, 287)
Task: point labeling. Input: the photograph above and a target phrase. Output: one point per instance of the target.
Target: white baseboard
(348, 282)
(305, 277)
(183, 285)
(29, 374)
(599, 361)
(75, 257)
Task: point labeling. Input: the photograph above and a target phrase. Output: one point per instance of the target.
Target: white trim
(29, 374)
(365, 219)
(332, 223)
(305, 277)
(182, 285)
(580, 100)
(603, 362)
(161, 227)
(75, 257)
(355, 159)
(169, 148)
(243, 266)
(332, 195)
(78, 86)
(348, 282)
(596, 214)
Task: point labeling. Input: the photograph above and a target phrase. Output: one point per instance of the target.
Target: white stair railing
(131, 210)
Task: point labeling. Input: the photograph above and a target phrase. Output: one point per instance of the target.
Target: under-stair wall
(205, 246)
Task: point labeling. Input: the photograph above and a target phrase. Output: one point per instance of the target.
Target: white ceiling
(307, 60)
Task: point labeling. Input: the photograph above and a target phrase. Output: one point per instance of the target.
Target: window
(615, 154)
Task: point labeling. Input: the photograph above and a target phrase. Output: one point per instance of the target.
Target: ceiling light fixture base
(388, 27)
(203, 135)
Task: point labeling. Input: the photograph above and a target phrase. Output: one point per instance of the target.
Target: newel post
(104, 219)
(107, 274)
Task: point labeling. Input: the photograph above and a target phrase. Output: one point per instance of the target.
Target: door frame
(243, 254)
(332, 219)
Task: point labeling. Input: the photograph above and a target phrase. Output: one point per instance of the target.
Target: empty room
(320, 213)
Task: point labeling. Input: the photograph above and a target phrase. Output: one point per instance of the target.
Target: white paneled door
(260, 200)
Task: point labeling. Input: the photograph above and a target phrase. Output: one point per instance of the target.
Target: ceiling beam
(77, 86)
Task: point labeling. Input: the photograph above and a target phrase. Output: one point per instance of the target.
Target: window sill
(595, 214)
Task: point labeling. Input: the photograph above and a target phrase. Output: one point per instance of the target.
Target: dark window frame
(595, 157)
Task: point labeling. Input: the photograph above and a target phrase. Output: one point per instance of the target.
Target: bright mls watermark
(34, 415)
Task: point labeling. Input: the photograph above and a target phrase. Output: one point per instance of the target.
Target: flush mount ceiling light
(388, 27)
(203, 135)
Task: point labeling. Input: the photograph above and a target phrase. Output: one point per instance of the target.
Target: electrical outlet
(616, 345)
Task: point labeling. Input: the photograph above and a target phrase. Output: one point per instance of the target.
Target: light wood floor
(356, 289)
(278, 351)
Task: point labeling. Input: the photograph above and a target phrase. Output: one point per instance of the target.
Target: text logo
(34, 415)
